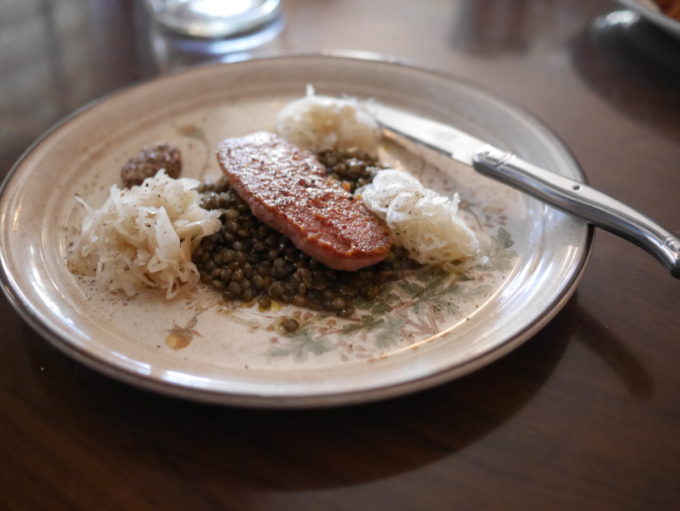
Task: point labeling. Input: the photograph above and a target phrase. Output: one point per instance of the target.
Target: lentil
(290, 325)
(247, 260)
(354, 168)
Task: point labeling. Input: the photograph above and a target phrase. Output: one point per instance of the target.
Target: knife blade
(573, 197)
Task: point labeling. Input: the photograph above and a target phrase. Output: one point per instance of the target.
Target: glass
(213, 18)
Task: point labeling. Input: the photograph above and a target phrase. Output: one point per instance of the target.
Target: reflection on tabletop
(339, 444)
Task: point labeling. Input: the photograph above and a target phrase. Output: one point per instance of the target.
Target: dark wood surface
(585, 415)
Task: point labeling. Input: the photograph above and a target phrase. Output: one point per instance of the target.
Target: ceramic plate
(422, 330)
(651, 12)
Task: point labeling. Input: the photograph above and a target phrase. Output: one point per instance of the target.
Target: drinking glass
(213, 18)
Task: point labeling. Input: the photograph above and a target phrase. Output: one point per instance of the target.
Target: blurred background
(60, 54)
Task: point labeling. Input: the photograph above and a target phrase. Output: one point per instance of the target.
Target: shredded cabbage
(422, 221)
(144, 235)
(319, 123)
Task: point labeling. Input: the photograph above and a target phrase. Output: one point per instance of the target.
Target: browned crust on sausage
(288, 189)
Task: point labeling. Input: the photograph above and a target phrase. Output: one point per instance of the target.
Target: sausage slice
(288, 189)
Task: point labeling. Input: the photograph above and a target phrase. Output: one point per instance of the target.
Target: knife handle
(582, 201)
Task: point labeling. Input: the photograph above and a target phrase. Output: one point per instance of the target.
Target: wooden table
(586, 415)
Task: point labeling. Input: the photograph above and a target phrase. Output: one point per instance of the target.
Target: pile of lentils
(246, 260)
(353, 168)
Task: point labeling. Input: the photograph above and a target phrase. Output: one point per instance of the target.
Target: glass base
(213, 18)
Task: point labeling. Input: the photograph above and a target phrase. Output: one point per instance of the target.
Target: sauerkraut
(319, 123)
(425, 223)
(144, 236)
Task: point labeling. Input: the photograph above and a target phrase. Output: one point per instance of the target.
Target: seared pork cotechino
(289, 190)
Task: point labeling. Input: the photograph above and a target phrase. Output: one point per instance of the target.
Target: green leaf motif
(369, 322)
(351, 328)
(425, 275)
(380, 308)
(412, 288)
(416, 303)
(477, 292)
(504, 238)
(301, 344)
(363, 304)
(501, 256)
(392, 298)
(390, 334)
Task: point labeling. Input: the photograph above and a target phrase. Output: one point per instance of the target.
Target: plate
(423, 330)
(651, 12)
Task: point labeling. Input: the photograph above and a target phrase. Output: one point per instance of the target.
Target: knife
(563, 193)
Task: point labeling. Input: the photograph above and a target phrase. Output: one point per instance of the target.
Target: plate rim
(308, 400)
